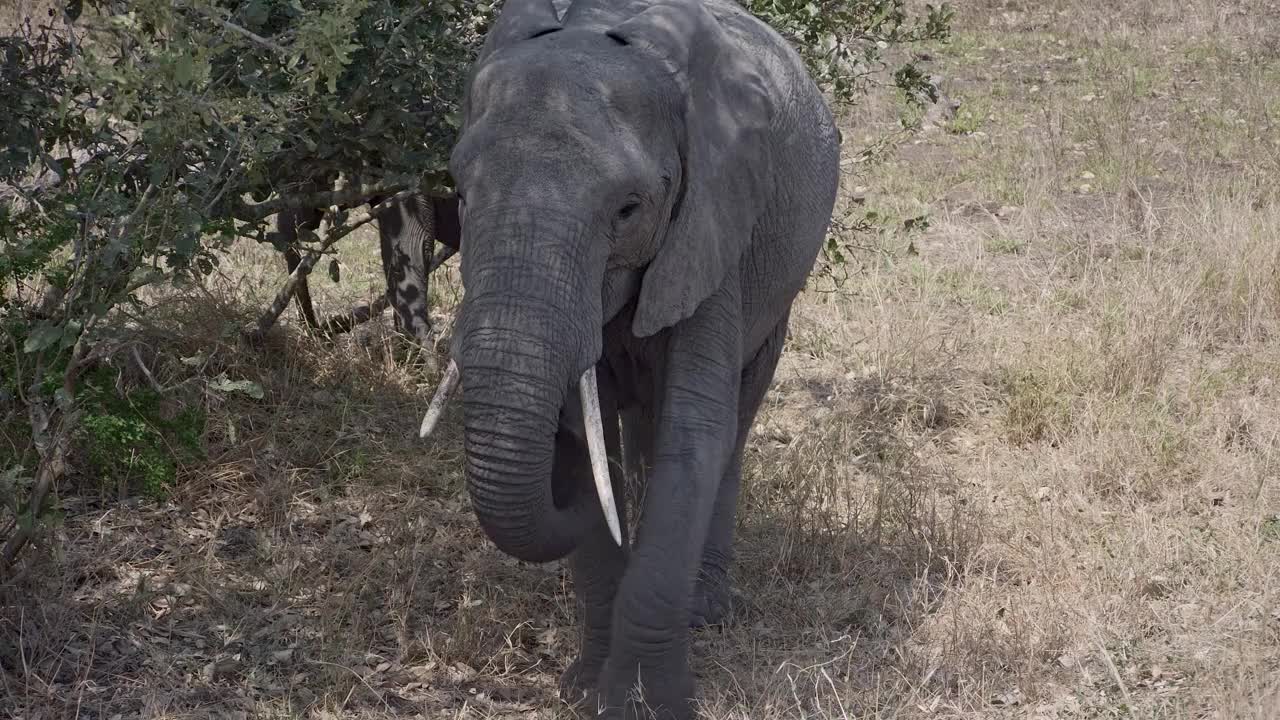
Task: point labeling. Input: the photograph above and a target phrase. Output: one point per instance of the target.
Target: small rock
(1086, 175)
(304, 697)
(1009, 699)
(465, 671)
(219, 669)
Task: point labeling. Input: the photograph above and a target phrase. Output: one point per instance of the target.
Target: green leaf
(159, 172)
(71, 333)
(1271, 528)
(248, 387)
(43, 336)
(185, 243)
(184, 70)
(255, 14)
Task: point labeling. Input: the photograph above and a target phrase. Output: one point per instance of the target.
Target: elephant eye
(629, 209)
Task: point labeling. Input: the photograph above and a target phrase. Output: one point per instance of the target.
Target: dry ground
(1019, 463)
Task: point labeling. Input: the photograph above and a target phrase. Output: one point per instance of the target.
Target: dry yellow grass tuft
(1026, 468)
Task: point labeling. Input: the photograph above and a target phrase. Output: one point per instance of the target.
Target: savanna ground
(1020, 462)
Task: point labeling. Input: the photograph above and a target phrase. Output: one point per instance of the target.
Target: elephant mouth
(588, 390)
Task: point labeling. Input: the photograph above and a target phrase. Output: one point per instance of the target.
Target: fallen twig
(344, 322)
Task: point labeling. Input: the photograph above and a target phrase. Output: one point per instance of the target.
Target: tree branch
(252, 212)
(243, 32)
(52, 465)
(333, 235)
(344, 322)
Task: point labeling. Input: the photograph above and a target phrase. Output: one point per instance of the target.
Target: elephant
(407, 230)
(643, 189)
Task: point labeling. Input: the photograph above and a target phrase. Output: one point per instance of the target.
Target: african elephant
(407, 230)
(643, 188)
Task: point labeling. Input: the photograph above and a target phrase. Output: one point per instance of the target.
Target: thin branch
(137, 358)
(359, 95)
(344, 322)
(243, 32)
(252, 212)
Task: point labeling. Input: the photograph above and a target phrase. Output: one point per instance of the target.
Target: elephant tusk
(599, 455)
(436, 408)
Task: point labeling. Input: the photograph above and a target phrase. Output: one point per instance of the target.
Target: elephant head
(610, 160)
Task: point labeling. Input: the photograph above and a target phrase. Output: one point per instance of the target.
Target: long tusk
(436, 408)
(599, 456)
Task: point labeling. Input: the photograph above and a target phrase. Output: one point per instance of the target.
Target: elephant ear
(726, 162)
(519, 20)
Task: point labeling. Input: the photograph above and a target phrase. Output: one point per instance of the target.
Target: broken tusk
(436, 408)
(599, 455)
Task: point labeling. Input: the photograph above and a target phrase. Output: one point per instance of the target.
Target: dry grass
(1028, 471)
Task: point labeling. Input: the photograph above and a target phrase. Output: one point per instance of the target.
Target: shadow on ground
(324, 560)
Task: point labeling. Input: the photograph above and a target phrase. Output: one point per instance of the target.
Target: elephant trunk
(527, 330)
(510, 454)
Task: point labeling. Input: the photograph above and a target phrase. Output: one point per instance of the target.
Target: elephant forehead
(558, 86)
(588, 122)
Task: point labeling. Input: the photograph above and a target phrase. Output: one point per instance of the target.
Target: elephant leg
(406, 234)
(596, 565)
(648, 665)
(712, 601)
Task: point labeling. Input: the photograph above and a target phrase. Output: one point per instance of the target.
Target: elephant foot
(665, 694)
(712, 601)
(578, 685)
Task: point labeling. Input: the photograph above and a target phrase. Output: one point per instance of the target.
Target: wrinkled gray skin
(644, 188)
(407, 231)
